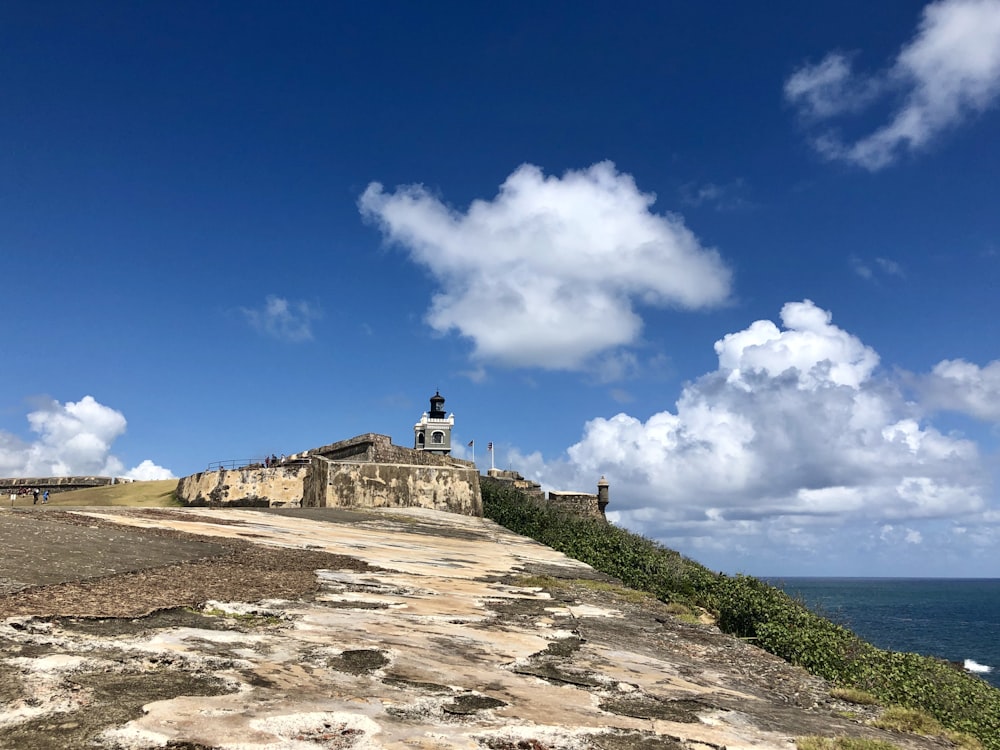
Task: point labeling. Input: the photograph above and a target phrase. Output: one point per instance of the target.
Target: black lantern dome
(437, 406)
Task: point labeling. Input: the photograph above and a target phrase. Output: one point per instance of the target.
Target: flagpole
(492, 466)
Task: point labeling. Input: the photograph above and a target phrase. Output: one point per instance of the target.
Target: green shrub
(855, 696)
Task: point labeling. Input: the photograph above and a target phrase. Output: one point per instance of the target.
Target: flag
(471, 443)
(489, 447)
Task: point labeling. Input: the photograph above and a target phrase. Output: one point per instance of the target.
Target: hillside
(157, 493)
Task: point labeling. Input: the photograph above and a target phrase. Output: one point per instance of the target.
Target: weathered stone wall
(257, 487)
(375, 448)
(367, 471)
(345, 484)
(314, 484)
(379, 485)
(578, 503)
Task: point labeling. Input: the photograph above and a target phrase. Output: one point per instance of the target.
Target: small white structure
(433, 432)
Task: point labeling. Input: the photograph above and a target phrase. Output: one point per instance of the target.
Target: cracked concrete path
(451, 639)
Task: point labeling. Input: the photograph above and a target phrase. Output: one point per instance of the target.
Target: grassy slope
(158, 493)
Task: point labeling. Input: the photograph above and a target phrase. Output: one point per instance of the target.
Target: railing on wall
(254, 463)
(236, 463)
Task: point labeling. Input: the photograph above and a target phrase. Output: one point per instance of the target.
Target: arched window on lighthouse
(437, 437)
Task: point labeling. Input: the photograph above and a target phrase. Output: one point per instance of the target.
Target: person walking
(34, 496)
(45, 497)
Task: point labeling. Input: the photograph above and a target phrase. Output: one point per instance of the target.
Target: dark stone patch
(40, 549)
(624, 740)
(564, 647)
(255, 680)
(517, 609)
(176, 617)
(555, 673)
(330, 735)
(354, 605)
(27, 650)
(614, 740)
(359, 661)
(571, 573)
(116, 700)
(424, 687)
(10, 684)
(467, 704)
(642, 706)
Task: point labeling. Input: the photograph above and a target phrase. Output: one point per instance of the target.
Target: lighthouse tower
(433, 432)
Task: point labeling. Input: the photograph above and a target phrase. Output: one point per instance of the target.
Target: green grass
(158, 493)
(855, 696)
(753, 610)
(913, 721)
(843, 743)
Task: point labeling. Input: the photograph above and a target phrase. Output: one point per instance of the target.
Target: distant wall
(514, 479)
(578, 503)
(255, 487)
(55, 484)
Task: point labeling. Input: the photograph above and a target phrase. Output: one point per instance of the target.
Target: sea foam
(976, 667)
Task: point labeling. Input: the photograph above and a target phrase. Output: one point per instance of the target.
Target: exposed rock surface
(325, 628)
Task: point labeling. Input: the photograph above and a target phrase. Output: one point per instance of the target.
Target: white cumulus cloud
(947, 72)
(549, 272)
(794, 432)
(73, 439)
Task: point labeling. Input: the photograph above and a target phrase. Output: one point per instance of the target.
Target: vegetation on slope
(749, 608)
(157, 493)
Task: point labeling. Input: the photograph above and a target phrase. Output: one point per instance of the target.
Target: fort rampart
(366, 471)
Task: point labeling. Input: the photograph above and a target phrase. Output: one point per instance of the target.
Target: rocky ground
(323, 628)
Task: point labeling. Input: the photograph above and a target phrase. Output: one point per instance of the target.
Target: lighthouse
(433, 432)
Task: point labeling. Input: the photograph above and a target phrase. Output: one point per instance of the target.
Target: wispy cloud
(282, 319)
(547, 274)
(947, 72)
(871, 271)
(727, 197)
(74, 439)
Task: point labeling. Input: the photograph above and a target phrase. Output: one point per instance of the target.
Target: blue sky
(740, 261)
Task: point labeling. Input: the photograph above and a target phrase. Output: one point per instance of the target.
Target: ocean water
(957, 619)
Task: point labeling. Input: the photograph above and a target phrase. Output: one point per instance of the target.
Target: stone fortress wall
(248, 486)
(368, 471)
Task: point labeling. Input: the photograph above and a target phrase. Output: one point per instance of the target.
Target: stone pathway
(460, 635)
